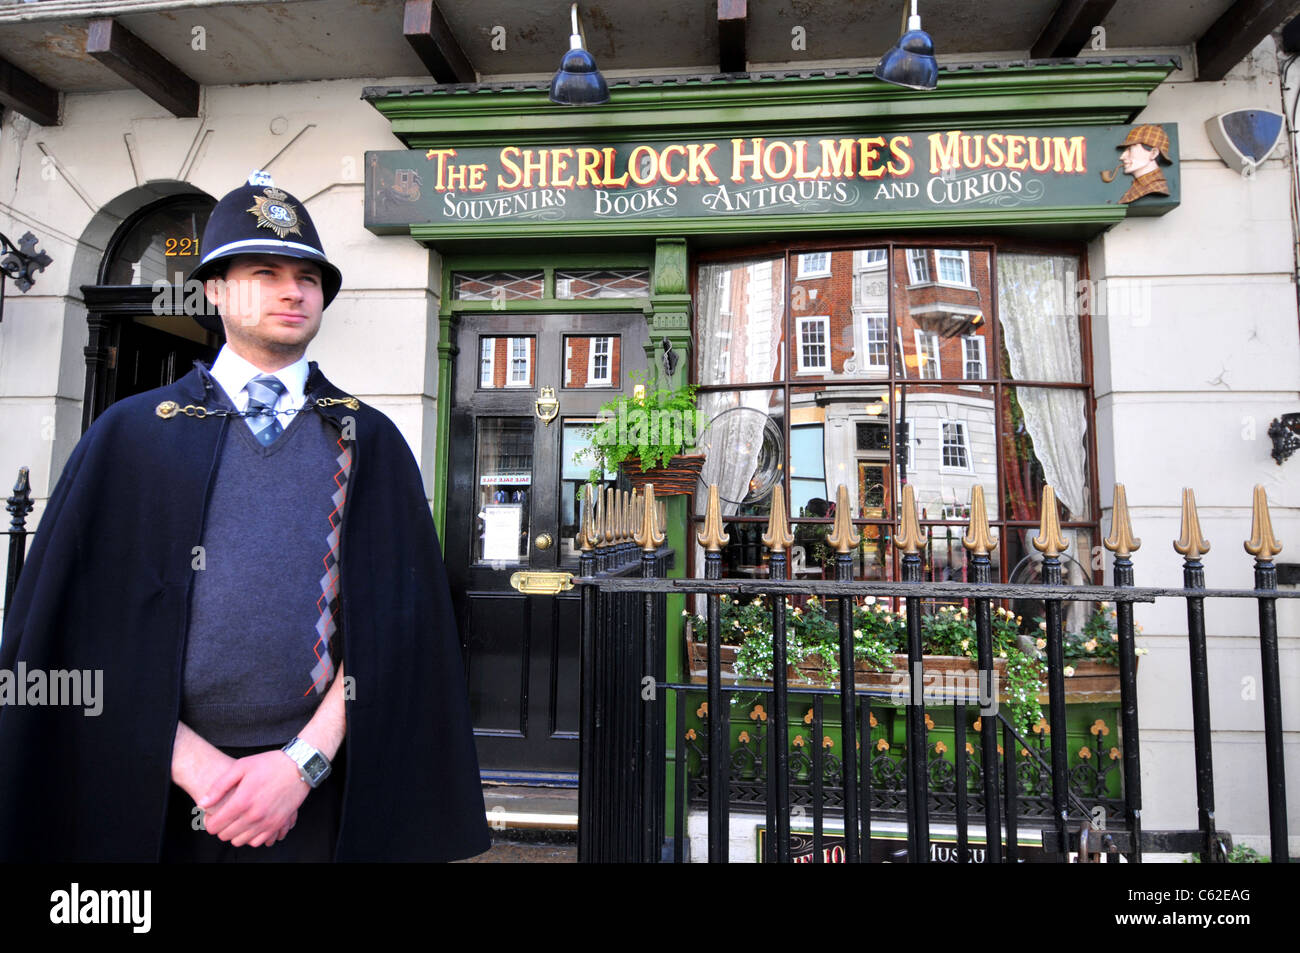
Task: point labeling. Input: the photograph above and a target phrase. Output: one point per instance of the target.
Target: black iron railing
(18, 505)
(625, 802)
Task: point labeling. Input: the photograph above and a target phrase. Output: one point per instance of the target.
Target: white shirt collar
(233, 373)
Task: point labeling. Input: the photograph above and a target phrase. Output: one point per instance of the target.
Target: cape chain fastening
(169, 409)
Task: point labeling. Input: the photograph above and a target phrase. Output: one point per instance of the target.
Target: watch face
(316, 765)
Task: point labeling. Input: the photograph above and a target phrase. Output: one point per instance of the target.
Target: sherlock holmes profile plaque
(949, 176)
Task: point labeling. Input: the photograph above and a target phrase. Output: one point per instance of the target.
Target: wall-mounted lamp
(18, 263)
(1284, 431)
(577, 82)
(910, 62)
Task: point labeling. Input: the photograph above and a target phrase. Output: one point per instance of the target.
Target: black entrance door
(512, 506)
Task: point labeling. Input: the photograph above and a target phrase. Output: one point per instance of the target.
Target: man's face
(1138, 159)
(270, 303)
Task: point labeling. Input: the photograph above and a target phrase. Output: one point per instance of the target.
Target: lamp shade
(910, 62)
(577, 82)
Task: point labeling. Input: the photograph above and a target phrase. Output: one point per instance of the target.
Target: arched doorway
(139, 313)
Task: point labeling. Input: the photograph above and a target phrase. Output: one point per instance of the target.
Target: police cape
(106, 586)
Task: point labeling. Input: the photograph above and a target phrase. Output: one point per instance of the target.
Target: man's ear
(214, 291)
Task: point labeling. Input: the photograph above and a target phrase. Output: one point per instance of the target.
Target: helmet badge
(273, 212)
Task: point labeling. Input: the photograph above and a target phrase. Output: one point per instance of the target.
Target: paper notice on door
(501, 531)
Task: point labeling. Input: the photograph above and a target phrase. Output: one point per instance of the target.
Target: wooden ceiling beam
(732, 54)
(1069, 28)
(24, 93)
(1230, 38)
(143, 67)
(426, 30)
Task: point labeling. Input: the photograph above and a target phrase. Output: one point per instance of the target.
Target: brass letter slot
(542, 583)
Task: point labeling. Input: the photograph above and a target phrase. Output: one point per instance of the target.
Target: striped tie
(263, 393)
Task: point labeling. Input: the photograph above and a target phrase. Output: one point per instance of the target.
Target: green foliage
(655, 427)
(1240, 854)
(812, 638)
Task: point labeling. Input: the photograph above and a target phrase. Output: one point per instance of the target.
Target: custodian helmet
(258, 218)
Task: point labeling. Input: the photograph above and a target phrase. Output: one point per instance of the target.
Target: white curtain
(1040, 327)
(736, 440)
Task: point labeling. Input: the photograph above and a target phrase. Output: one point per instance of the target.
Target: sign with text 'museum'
(648, 187)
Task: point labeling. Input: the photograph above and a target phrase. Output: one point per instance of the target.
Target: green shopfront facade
(870, 286)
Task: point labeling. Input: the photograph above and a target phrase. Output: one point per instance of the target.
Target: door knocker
(547, 405)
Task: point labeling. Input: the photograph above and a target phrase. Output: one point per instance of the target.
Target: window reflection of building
(591, 361)
(928, 417)
(506, 361)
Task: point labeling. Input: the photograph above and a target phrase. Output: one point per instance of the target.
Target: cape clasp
(351, 403)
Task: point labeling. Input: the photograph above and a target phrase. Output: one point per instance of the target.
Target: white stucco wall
(1185, 393)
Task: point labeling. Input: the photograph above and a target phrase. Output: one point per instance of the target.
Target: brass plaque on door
(535, 583)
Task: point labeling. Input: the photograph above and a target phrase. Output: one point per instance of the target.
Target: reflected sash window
(815, 265)
(955, 453)
(918, 266)
(485, 362)
(520, 362)
(598, 372)
(927, 355)
(877, 340)
(954, 266)
(974, 352)
(812, 344)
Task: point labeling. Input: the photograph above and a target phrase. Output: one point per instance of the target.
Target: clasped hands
(250, 801)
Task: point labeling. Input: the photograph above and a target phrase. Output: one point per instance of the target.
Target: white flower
(857, 633)
(965, 644)
(1140, 651)
(1002, 654)
(1042, 626)
(685, 613)
(871, 600)
(1069, 671)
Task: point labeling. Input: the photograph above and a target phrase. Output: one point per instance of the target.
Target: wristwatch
(313, 767)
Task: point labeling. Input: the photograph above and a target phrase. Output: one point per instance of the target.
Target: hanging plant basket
(680, 477)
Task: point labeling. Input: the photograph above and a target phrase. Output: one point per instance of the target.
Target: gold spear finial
(842, 536)
(607, 518)
(978, 539)
(620, 516)
(1121, 540)
(586, 535)
(649, 537)
(1263, 545)
(778, 535)
(712, 538)
(909, 538)
(1191, 544)
(1049, 540)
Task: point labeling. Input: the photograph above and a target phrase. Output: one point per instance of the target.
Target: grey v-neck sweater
(257, 655)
